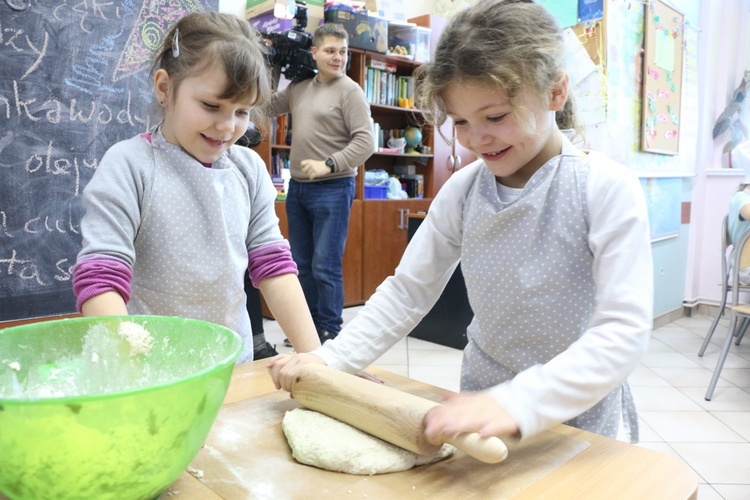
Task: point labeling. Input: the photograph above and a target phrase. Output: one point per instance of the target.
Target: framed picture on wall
(662, 78)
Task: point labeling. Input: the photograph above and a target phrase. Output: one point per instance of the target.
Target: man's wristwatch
(330, 164)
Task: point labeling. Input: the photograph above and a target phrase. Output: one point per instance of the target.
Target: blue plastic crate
(376, 192)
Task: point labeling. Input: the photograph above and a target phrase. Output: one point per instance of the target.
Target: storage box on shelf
(267, 23)
(255, 8)
(365, 31)
(379, 192)
(414, 40)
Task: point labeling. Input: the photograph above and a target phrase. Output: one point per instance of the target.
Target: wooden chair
(740, 314)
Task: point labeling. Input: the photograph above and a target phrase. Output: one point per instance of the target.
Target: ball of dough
(326, 443)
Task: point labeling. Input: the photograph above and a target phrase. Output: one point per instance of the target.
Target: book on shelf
(381, 65)
(281, 130)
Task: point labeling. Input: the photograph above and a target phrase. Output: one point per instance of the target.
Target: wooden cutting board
(246, 456)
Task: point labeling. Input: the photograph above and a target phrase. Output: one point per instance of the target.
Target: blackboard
(74, 81)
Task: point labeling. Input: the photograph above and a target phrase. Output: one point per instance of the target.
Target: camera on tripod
(289, 52)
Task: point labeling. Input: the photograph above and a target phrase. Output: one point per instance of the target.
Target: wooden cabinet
(352, 255)
(352, 251)
(385, 238)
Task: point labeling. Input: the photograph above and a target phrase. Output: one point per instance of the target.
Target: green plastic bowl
(109, 424)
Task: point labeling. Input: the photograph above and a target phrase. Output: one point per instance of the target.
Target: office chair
(739, 314)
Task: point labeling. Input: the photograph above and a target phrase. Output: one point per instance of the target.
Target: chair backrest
(725, 244)
(740, 260)
(742, 251)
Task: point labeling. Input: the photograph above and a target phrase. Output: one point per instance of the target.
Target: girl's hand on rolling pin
(476, 412)
(284, 368)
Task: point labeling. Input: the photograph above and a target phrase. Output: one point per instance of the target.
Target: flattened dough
(326, 443)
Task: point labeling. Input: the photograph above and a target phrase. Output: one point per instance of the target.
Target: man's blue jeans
(318, 215)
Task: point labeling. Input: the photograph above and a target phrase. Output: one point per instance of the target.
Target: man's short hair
(329, 29)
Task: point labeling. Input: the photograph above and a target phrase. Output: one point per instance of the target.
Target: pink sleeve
(270, 260)
(95, 275)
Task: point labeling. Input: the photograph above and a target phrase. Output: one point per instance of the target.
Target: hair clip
(176, 43)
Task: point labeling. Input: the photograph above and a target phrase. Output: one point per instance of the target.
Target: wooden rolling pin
(392, 415)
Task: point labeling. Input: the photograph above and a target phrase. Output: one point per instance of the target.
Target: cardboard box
(268, 23)
(365, 32)
(391, 10)
(405, 169)
(254, 8)
(415, 39)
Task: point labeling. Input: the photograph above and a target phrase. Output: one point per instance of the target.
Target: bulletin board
(662, 78)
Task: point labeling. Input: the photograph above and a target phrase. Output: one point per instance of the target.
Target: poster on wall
(590, 10)
(663, 202)
(662, 78)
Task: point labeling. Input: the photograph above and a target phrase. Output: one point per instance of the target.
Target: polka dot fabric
(529, 276)
(191, 252)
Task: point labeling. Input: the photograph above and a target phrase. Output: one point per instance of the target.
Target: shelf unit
(377, 228)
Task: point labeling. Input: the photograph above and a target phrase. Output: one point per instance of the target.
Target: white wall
(722, 59)
(236, 7)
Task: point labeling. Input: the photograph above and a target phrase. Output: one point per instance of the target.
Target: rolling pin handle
(489, 450)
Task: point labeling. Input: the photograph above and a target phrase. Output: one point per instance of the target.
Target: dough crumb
(15, 365)
(139, 338)
(196, 473)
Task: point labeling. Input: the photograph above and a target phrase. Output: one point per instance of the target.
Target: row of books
(279, 162)
(281, 130)
(280, 174)
(386, 88)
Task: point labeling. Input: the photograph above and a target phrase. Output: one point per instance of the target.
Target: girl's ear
(161, 86)
(559, 93)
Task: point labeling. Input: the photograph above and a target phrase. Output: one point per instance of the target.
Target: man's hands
(314, 168)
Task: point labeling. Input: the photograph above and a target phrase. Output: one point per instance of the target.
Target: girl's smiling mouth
(496, 155)
(213, 142)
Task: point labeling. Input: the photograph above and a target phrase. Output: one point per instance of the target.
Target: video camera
(289, 51)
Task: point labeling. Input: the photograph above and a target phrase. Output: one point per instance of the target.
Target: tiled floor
(712, 437)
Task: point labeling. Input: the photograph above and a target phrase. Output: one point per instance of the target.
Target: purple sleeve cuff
(270, 260)
(95, 275)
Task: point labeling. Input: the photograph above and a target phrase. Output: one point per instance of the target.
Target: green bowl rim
(227, 361)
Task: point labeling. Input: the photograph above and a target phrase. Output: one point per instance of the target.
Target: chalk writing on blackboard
(74, 82)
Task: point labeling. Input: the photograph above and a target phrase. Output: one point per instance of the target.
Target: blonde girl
(553, 244)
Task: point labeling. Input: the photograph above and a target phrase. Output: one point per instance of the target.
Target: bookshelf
(377, 227)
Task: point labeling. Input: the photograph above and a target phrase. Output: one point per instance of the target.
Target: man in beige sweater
(331, 137)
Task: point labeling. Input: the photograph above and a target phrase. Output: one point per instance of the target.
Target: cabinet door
(353, 257)
(385, 238)
(352, 251)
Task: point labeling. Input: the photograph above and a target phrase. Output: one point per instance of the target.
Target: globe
(413, 137)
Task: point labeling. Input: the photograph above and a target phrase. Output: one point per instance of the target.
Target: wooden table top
(580, 464)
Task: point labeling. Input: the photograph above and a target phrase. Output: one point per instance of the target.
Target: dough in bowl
(326, 443)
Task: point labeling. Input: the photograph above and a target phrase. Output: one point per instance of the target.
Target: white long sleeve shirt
(560, 281)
